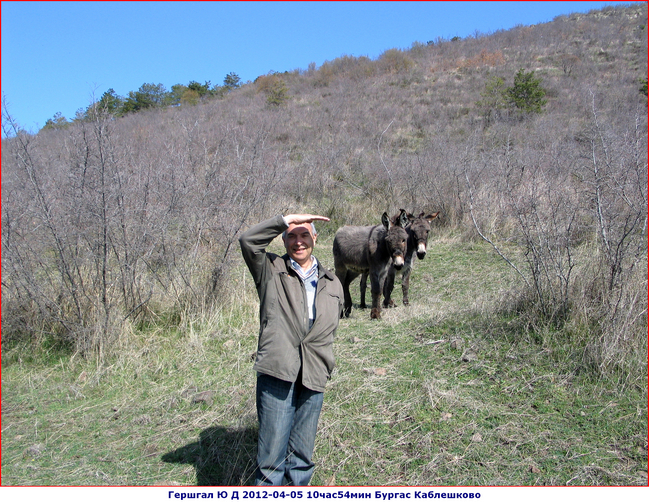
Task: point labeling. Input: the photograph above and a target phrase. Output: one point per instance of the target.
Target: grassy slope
(489, 404)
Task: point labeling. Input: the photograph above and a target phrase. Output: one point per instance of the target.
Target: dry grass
(445, 392)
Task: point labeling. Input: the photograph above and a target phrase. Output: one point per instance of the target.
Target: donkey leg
(347, 310)
(405, 286)
(345, 278)
(388, 286)
(376, 307)
(376, 283)
(363, 289)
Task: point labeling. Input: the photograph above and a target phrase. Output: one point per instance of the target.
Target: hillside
(120, 258)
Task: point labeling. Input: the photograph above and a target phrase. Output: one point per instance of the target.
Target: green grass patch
(452, 390)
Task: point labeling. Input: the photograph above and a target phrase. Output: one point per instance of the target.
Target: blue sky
(57, 56)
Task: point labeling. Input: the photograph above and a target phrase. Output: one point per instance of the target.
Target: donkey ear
(403, 219)
(431, 217)
(385, 220)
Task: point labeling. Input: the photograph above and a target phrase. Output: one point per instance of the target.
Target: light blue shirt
(310, 280)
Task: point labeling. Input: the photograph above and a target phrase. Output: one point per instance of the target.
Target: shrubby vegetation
(146, 97)
(524, 97)
(273, 86)
(129, 214)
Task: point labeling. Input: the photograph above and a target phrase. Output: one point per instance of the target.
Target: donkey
(418, 229)
(371, 250)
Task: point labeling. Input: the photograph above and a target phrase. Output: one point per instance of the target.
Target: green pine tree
(231, 81)
(526, 95)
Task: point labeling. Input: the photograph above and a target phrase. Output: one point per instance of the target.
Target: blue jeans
(288, 419)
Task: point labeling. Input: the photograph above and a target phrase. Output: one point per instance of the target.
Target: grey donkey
(370, 250)
(418, 230)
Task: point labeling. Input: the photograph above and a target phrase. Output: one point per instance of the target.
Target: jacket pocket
(328, 306)
(334, 302)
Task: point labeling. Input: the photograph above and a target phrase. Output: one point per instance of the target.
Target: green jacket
(286, 344)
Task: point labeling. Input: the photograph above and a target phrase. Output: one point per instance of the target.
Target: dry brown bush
(124, 220)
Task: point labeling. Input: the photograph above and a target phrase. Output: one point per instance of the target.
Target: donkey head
(396, 237)
(418, 232)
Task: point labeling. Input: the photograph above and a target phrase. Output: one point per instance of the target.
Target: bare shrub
(579, 215)
(98, 231)
(612, 174)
